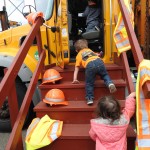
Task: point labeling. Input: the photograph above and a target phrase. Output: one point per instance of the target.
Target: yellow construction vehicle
(62, 26)
(47, 42)
(142, 25)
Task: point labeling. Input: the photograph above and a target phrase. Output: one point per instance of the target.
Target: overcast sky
(13, 13)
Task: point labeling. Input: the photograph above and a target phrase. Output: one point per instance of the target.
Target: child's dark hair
(80, 44)
(108, 108)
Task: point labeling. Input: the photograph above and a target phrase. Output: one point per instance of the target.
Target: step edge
(67, 84)
(73, 107)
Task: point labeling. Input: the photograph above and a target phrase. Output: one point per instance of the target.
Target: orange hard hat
(33, 16)
(51, 75)
(55, 97)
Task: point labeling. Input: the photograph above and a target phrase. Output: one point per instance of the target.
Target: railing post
(13, 110)
(130, 84)
(39, 45)
(127, 68)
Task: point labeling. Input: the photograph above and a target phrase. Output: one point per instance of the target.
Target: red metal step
(77, 112)
(77, 91)
(115, 72)
(76, 137)
(76, 116)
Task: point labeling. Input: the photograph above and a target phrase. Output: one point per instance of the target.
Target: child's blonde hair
(80, 44)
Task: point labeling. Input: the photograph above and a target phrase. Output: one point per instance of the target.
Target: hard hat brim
(50, 81)
(55, 103)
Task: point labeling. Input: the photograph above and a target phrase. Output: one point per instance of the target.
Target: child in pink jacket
(108, 130)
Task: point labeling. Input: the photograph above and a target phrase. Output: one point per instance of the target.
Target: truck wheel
(5, 124)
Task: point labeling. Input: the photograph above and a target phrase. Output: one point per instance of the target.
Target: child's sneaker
(89, 101)
(112, 88)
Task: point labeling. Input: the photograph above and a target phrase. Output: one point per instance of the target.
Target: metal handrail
(135, 47)
(11, 75)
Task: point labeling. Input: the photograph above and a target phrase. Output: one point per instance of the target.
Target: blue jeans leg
(102, 72)
(89, 80)
(94, 68)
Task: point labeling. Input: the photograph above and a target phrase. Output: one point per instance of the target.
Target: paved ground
(4, 138)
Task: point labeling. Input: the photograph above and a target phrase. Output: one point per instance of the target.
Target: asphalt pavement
(4, 139)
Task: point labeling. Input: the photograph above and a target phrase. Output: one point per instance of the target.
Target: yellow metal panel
(111, 9)
(12, 47)
(63, 35)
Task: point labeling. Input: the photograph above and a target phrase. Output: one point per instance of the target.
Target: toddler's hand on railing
(133, 95)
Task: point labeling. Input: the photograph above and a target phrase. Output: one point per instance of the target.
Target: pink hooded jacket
(112, 137)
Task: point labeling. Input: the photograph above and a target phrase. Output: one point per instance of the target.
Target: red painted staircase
(76, 116)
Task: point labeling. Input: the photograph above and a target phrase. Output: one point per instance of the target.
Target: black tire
(5, 124)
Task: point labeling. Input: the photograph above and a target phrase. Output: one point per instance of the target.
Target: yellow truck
(63, 25)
